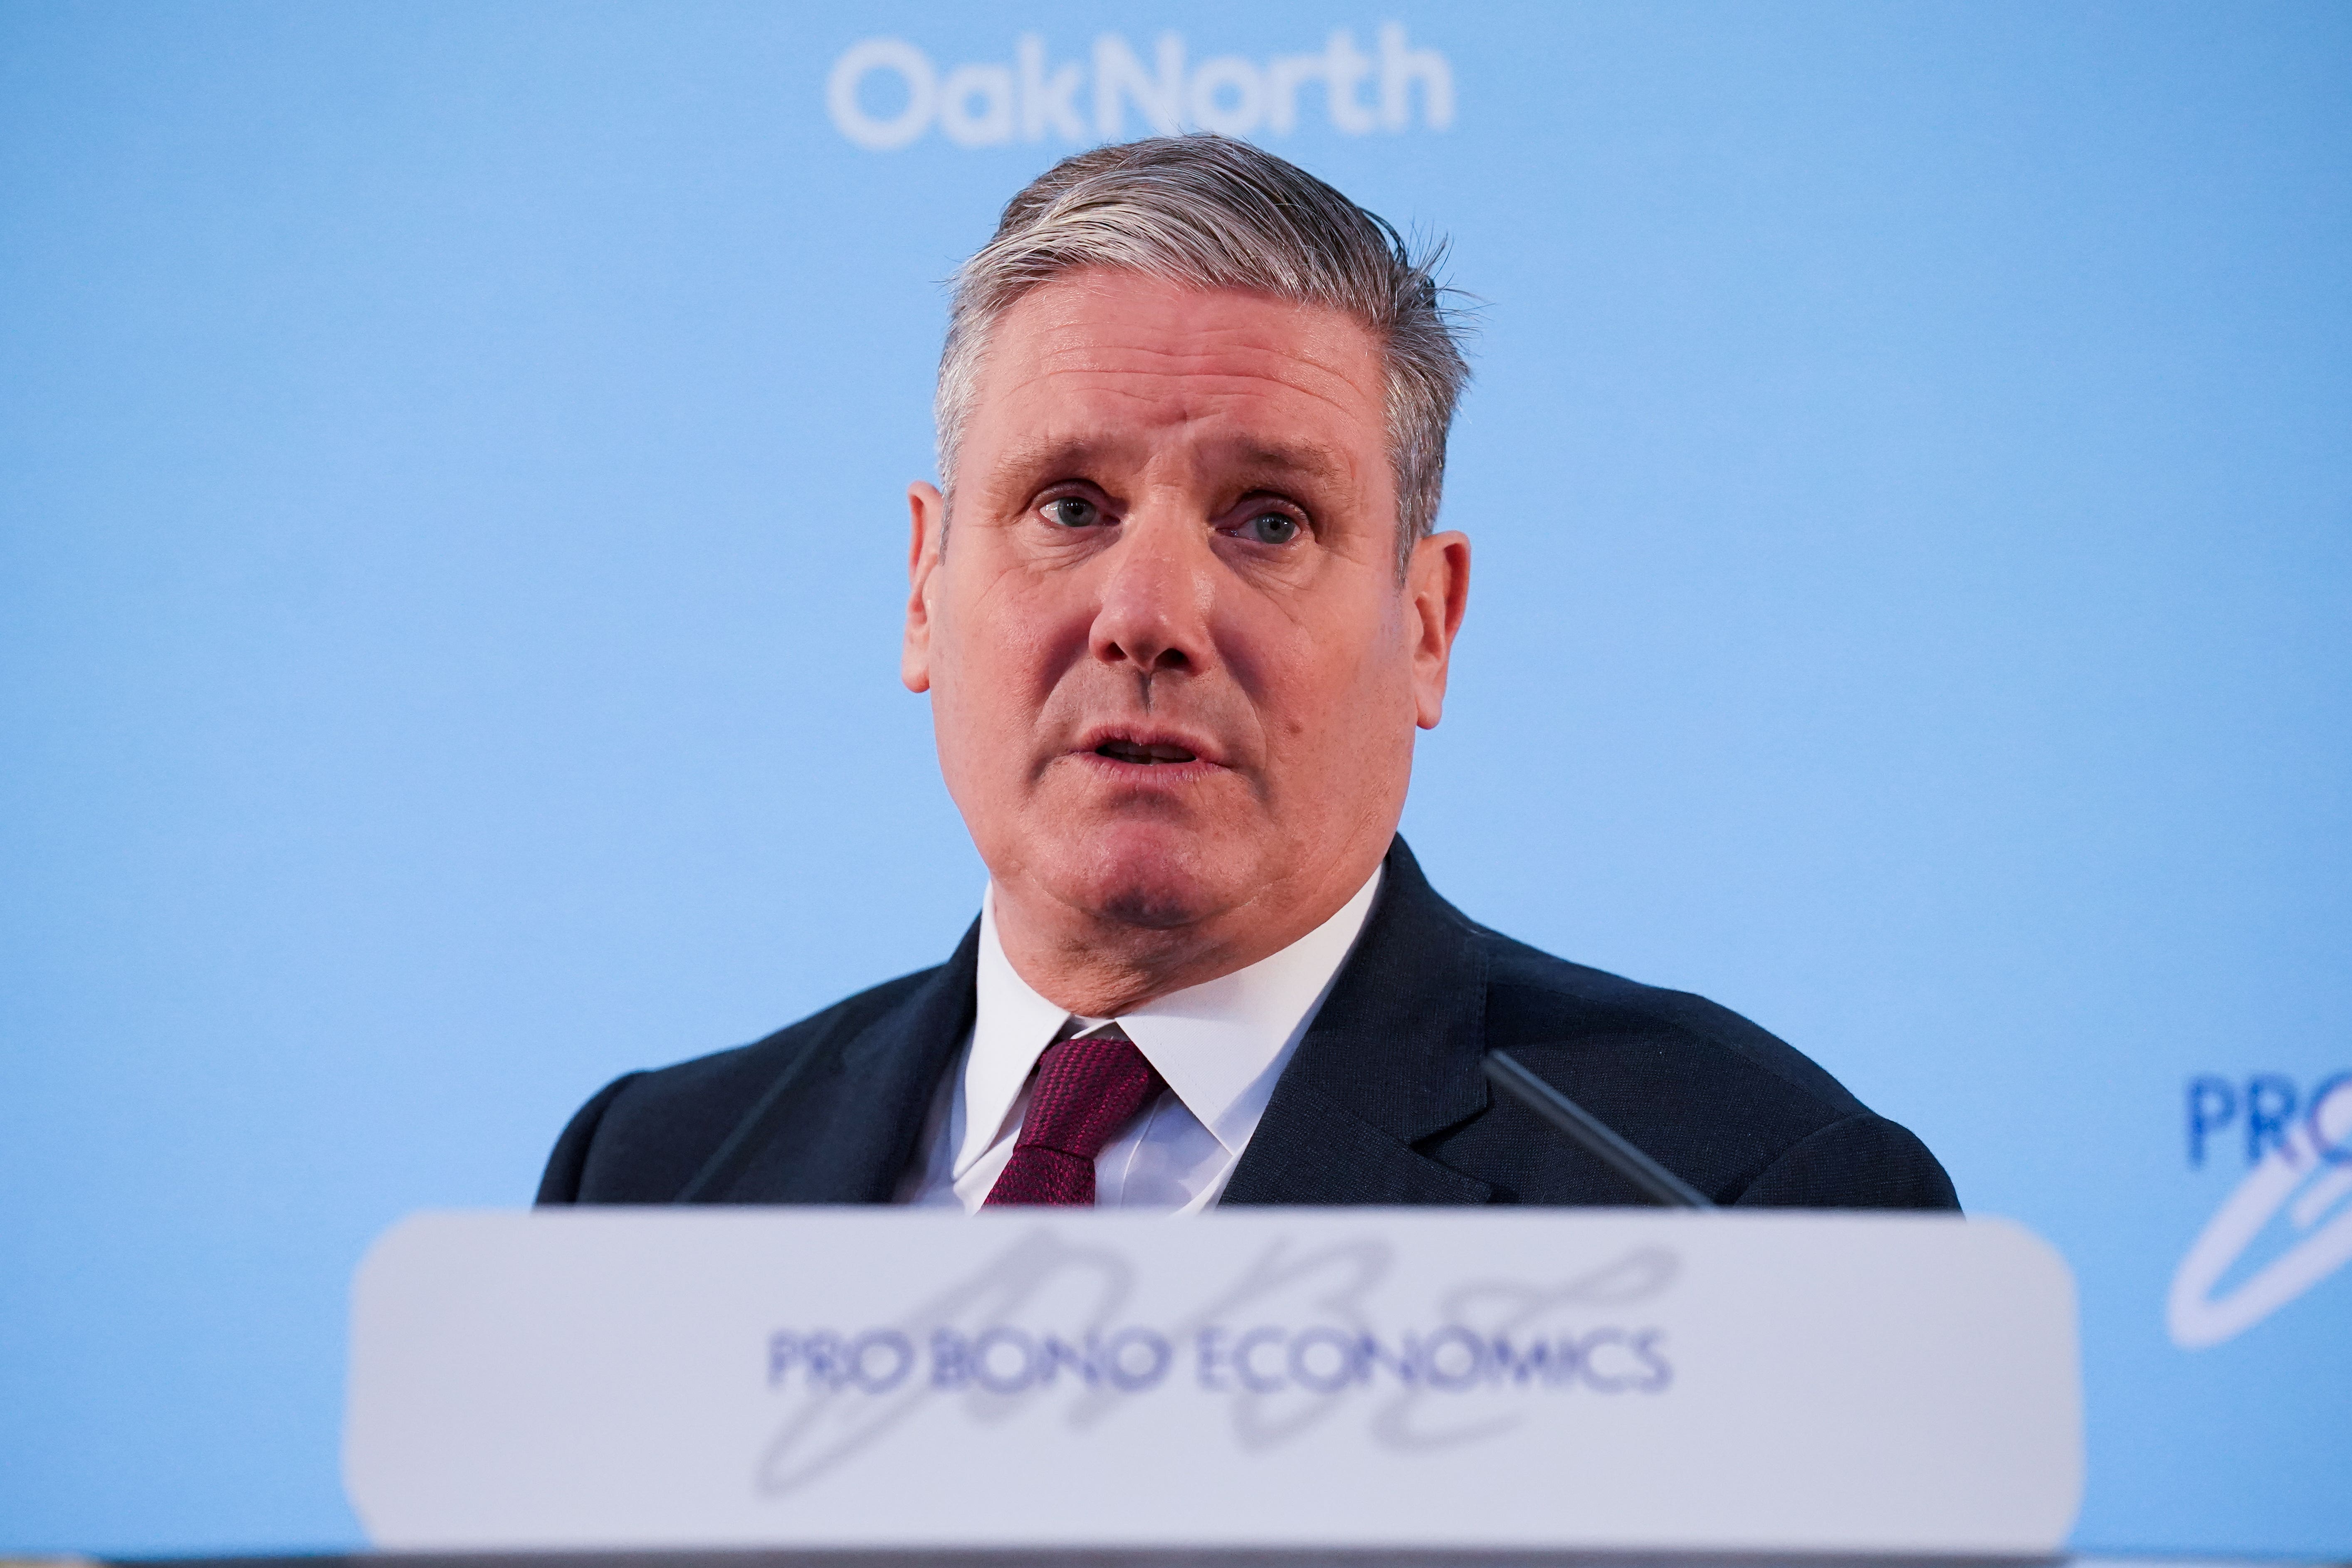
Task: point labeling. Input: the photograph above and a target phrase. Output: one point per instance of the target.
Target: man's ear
(1437, 590)
(928, 511)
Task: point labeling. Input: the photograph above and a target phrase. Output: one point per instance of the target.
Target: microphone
(1657, 1182)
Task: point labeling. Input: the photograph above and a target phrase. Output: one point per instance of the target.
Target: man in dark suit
(1192, 414)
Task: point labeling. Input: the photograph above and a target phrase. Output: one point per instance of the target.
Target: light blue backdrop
(450, 463)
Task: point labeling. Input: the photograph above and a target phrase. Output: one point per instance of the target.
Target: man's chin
(1153, 878)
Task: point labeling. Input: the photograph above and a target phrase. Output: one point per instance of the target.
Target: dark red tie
(1086, 1090)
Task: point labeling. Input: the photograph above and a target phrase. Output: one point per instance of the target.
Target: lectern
(1353, 1378)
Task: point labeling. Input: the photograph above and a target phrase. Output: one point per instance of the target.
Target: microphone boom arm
(1657, 1183)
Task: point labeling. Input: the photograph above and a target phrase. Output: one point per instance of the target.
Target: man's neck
(1100, 967)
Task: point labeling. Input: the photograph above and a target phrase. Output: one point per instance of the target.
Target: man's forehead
(1112, 367)
(1108, 329)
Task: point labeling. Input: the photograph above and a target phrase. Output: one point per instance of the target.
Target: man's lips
(1140, 747)
(1125, 751)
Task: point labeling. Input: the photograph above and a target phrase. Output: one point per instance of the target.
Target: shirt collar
(1220, 1044)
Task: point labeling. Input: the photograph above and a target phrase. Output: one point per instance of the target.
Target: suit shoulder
(1537, 999)
(646, 1134)
(1864, 1162)
(1740, 1114)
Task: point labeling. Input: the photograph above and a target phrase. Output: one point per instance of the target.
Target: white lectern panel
(645, 1378)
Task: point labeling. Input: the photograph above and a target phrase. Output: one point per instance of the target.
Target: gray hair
(1216, 213)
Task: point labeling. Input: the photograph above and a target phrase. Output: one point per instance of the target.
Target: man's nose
(1158, 583)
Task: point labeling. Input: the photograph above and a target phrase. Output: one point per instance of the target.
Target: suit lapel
(842, 1127)
(1393, 1058)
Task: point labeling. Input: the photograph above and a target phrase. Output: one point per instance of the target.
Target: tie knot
(1088, 1087)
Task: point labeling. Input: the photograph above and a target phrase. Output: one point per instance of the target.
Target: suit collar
(1393, 1058)
(1220, 1044)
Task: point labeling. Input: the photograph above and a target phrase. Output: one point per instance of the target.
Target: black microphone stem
(1657, 1182)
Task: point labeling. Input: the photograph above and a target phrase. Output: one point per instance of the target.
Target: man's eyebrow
(1309, 458)
(1051, 456)
(1061, 455)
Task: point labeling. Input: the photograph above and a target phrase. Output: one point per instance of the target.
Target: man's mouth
(1120, 749)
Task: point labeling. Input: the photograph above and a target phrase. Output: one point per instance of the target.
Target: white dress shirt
(1218, 1046)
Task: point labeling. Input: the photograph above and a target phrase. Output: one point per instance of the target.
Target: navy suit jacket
(1385, 1101)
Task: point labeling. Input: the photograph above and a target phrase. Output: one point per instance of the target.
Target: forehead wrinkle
(1199, 372)
(1089, 294)
(1169, 407)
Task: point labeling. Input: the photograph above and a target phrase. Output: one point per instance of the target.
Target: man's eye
(1073, 511)
(1270, 528)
